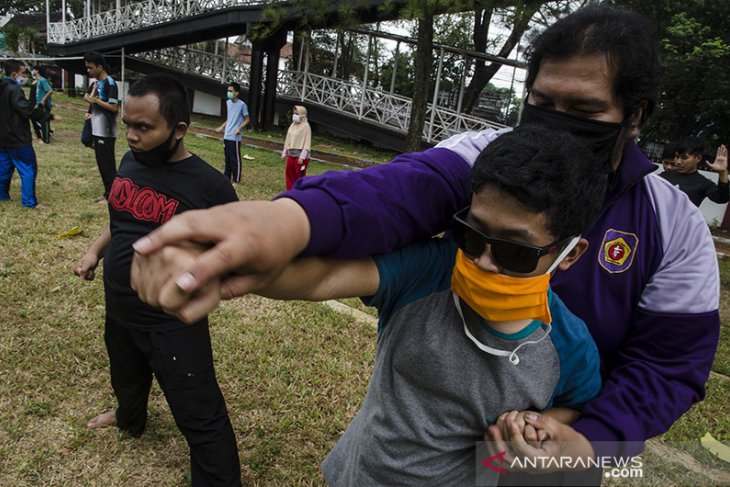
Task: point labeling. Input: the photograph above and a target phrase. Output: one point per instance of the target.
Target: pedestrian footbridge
(153, 36)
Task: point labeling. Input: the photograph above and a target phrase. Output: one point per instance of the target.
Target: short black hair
(12, 66)
(691, 145)
(236, 87)
(41, 70)
(94, 57)
(669, 151)
(547, 171)
(627, 40)
(171, 93)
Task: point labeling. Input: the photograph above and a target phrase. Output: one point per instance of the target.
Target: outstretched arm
(347, 214)
(322, 278)
(241, 247)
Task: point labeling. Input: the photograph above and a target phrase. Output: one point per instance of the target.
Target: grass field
(293, 374)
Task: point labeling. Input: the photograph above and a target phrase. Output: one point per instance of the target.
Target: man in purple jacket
(648, 288)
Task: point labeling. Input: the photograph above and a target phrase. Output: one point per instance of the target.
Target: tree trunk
(420, 87)
(483, 73)
(346, 48)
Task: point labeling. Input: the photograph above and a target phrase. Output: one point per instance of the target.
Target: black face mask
(159, 155)
(601, 136)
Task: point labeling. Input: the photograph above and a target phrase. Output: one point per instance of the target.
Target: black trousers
(106, 160)
(37, 128)
(232, 152)
(182, 362)
(46, 130)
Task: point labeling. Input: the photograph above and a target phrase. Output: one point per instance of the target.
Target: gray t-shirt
(433, 393)
(104, 122)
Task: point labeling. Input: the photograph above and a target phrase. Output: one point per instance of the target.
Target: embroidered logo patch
(617, 250)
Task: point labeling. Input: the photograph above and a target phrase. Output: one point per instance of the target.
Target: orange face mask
(497, 297)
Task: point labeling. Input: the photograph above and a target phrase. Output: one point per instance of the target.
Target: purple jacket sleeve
(385, 207)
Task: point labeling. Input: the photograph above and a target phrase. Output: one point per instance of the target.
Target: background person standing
(36, 126)
(103, 105)
(44, 90)
(297, 146)
(236, 120)
(16, 142)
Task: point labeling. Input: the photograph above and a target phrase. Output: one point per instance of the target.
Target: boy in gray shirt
(469, 329)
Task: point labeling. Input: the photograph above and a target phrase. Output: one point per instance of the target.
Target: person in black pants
(103, 105)
(156, 180)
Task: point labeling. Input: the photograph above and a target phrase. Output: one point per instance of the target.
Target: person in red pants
(297, 146)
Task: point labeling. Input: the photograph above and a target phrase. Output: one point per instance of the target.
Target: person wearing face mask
(595, 72)
(297, 146)
(236, 120)
(469, 328)
(16, 142)
(32, 96)
(157, 179)
(103, 99)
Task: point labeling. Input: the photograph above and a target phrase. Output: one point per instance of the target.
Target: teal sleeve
(411, 273)
(580, 377)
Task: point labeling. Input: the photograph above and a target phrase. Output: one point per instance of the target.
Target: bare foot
(108, 418)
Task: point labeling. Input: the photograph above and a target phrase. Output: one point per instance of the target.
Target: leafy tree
(695, 42)
(351, 49)
(404, 75)
(518, 16)
(74, 8)
(422, 66)
(32, 38)
(13, 37)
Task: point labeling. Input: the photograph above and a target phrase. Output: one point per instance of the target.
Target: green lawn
(293, 374)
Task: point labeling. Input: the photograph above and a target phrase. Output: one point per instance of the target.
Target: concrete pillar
(273, 50)
(255, 89)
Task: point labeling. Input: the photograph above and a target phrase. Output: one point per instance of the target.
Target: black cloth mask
(159, 155)
(601, 136)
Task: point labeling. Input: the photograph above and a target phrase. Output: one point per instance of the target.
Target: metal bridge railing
(374, 105)
(137, 15)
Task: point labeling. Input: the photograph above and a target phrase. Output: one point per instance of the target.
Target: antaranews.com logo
(491, 467)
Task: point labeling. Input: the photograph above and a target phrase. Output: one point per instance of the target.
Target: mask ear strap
(512, 356)
(564, 253)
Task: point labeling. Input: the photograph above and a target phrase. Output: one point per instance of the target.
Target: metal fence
(374, 105)
(138, 15)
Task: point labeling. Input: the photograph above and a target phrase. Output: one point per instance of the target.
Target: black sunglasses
(507, 254)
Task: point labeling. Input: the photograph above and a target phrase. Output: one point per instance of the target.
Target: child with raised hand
(690, 152)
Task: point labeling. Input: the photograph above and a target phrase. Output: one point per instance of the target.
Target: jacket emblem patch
(617, 250)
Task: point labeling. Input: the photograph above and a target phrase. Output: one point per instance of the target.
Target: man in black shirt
(691, 182)
(156, 180)
(16, 143)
